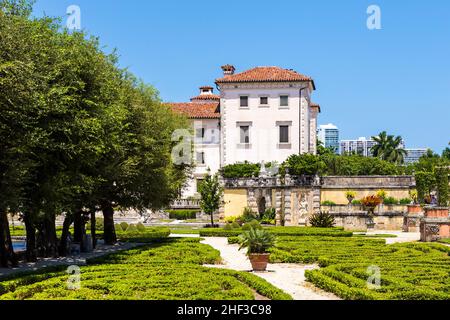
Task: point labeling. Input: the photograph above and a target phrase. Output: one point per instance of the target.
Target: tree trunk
(68, 220)
(93, 229)
(51, 240)
(109, 229)
(7, 255)
(77, 230)
(31, 254)
(212, 219)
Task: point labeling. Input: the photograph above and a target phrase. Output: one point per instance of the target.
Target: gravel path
(288, 277)
(78, 260)
(401, 236)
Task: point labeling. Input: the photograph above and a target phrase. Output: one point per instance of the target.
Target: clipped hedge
(409, 271)
(146, 235)
(182, 214)
(280, 232)
(170, 270)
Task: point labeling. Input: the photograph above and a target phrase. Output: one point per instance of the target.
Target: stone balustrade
(435, 224)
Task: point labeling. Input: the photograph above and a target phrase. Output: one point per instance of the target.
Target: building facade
(413, 155)
(328, 134)
(361, 146)
(264, 114)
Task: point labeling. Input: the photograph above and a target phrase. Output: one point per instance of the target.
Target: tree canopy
(78, 133)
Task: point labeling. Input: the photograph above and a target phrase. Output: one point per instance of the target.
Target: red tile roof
(197, 110)
(207, 97)
(315, 105)
(265, 74)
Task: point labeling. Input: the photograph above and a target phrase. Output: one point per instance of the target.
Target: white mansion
(263, 114)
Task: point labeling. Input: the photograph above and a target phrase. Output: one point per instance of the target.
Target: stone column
(278, 207)
(287, 207)
(316, 199)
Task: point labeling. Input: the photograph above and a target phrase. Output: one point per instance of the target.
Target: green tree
(211, 194)
(388, 148)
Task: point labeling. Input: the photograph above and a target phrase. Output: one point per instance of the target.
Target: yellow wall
(235, 202)
(338, 195)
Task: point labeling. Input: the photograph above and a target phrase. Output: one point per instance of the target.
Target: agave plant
(257, 241)
(322, 220)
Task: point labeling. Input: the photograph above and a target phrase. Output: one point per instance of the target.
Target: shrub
(328, 203)
(356, 202)
(182, 214)
(124, 226)
(241, 170)
(132, 228)
(322, 220)
(118, 227)
(441, 174)
(227, 227)
(248, 215)
(256, 240)
(235, 225)
(251, 225)
(381, 194)
(99, 224)
(304, 164)
(140, 227)
(390, 201)
(371, 201)
(405, 201)
(231, 219)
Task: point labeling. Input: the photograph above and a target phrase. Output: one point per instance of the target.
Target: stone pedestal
(435, 225)
(412, 218)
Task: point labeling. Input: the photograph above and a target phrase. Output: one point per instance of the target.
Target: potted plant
(350, 195)
(370, 203)
(258, 242)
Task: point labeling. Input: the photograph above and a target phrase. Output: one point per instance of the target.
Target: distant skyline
(395, 79)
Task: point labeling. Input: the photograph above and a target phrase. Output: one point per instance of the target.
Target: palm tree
(395, 153)
(389, 148)
(382, 144)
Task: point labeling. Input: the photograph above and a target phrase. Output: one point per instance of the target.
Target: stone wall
(334, 187)
(296, 198)
(357, 221)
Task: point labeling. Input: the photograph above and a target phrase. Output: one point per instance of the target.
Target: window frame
(281, 96)
(248, 101)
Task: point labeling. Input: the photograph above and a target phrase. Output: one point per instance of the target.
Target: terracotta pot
(436, 212)
(415, 208)
(259, 261)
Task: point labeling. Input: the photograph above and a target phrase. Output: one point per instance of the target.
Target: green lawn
(447, 241)
(409, 271)
(169, 270)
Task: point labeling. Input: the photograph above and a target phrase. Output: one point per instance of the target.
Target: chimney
(228, 70)
(206, 90)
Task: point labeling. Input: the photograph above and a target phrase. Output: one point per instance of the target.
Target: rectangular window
(245, 134)
(284, 101)
(284, 134)
(244, 102)
(200, 158)
(200, 133)
(263, 101)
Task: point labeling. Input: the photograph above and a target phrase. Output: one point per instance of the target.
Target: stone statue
(303, 210)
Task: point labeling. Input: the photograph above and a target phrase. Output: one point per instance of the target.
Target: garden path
(288, 277)
(78, 260)
(401, 236)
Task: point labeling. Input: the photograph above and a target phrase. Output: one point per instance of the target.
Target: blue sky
(395, 79)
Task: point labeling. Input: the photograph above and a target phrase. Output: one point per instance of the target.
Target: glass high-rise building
(328, 134)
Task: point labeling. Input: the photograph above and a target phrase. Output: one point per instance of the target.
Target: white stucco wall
(264, 132)
(211, 147)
